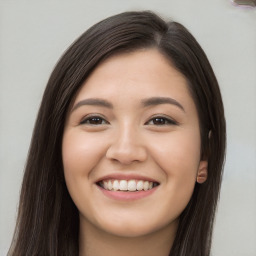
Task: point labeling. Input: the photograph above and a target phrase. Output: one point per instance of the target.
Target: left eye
(161, 121)
(94, 120)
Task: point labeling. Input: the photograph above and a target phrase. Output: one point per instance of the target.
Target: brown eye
(161, 121)
(94, 120)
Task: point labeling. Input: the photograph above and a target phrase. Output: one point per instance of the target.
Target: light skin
(133, 116)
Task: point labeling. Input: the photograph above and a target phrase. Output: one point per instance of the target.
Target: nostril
(126, 154)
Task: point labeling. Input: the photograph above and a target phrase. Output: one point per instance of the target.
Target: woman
(128, 147)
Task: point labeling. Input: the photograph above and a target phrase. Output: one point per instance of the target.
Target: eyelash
(94, 118)
(101, 121)
(164, 121)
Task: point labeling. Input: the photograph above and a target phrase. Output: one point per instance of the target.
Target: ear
(202, 172)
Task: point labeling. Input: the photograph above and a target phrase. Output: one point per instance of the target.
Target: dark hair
(48, 222)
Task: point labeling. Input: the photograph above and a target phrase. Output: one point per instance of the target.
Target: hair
(48, 220)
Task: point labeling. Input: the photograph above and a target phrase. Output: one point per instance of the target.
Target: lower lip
(127, 196)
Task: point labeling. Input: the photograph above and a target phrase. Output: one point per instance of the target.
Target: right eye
(94, 120)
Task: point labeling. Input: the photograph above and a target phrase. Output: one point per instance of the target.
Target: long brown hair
(48, 222)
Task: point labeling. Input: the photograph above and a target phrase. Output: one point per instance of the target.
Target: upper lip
(121, 176)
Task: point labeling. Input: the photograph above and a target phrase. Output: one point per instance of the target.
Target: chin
(132, 229)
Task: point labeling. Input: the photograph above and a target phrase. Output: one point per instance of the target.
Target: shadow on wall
(244, 3)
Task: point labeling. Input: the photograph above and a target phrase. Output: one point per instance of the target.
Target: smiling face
(131, 146)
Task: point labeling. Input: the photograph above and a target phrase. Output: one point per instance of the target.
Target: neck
(93, 241)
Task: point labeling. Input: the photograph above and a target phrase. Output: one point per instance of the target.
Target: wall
(34, 35)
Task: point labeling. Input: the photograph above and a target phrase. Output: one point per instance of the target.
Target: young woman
(128, 147)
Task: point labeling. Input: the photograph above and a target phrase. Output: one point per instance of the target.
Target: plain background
(34, 34)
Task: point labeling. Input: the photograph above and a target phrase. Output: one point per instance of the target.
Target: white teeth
(115, 185)
(139, 185)
(110, 185)
(124, 185)
(132, 185)
(146, 185)
(105, 184)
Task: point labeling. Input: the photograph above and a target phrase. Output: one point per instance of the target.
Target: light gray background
(34, 34)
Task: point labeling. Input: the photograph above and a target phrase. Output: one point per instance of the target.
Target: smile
(127, 185)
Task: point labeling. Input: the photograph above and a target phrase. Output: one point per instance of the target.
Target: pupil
(96, 120)
(159, 121)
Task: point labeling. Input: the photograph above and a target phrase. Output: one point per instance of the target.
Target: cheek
(80, 153)
(178, 153)
(178, 157)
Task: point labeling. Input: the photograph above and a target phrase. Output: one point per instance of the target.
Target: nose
(127, 147)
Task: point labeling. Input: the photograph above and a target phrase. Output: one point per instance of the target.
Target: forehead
(143, 73)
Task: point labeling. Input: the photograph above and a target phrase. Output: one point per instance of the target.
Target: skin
(128, 139)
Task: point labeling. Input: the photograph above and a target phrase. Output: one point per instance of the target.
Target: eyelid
(90, 116)
(170, 120)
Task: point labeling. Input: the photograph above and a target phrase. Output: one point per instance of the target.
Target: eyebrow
(161, 100)
(145, 102)
(93, 102)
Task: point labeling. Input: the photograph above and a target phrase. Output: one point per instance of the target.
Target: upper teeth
(127, 185)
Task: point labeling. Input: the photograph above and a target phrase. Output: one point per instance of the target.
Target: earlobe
(202, 172)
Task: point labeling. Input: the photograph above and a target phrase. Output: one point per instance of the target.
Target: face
(131, 146)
